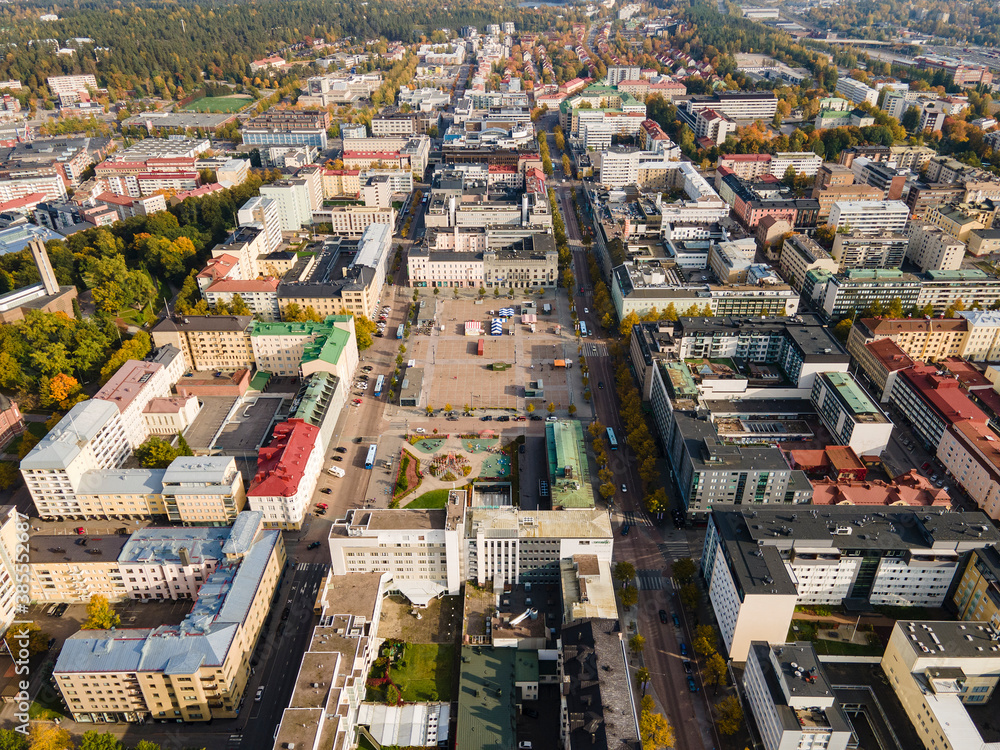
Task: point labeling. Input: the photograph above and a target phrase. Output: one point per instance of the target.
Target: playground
(447, 460)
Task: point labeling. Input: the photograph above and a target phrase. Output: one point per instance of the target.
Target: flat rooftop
(64, 549)
(953, 640)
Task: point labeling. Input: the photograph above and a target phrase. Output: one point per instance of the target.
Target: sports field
(219, 104)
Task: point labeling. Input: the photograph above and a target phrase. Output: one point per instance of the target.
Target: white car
(586, 310)
(624, 488)
(419, 430)
(552, 418)
(260, 693)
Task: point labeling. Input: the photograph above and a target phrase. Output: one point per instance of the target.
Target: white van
(335, 471)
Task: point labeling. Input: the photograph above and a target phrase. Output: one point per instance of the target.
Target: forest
(165, 46)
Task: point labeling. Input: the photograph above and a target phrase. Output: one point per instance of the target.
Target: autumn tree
(46, 736)
(729, 716)
(714, 672)
(629, 596)
(38, 639)
(61, 387)
(637, 643)
(684, 570)
(654, 731)
(100, 614)
(624, 571)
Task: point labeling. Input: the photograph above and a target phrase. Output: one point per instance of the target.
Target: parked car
(503, 418)
(552, 418)
(663, 616)
(340, 449)
(687, 666)
(676, 619)
(314, 545)
(338, 458)
(326, 490)
(419, 430)
(535, 418)
(487, 418)
(692, 685)
(624, 488)
(683, 647)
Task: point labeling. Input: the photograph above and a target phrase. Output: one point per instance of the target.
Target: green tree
(636, 643)
(729, 716)
(657, 502)
(715, 671)
(155, 453)
(843, 330)
(100, 614)
(624, 571)
(684, 570)
(238, 306)
(183, 449)
(364, 332)
(94, 740)
(629, 596)
(10, 477)
(38, 639)
(690, 597)
(12, 740)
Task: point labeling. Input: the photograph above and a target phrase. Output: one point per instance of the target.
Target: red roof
(28, 200)
(745, 157)
(888, 353)
(351, 172)
(282, 464)
(244, 286)
(942, 394)
(909, 489)
(197, 192)
(118, 200)
(968, 376)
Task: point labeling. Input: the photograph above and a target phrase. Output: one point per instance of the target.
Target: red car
(81, 530)
(357, 400)
(925, 466)
(324, 506)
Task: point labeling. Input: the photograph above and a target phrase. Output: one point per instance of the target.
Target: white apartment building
(293, 202)
(262, 211)
(9, 522)
(932, 248)
(260, 296)
(91, 436)
(856, 91)
(597, 127)
(869, 217)
(982, 343)
(131, 389)
(412, 545)
(852, 418)
(352, 221)
(761, 563)
(445, 268)
(792, 700)
(505, 545)
(627, 165)
(170, 416)
(713, 125)
(52, 186)
(400, 180)
(169, 563)
(804, 163)
(70, 84)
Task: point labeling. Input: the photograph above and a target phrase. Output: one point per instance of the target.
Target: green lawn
(432, 499)
(218, 104)
(807, 632)
(425, 672)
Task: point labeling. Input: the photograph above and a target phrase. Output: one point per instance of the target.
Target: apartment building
(712, 126)
(352, 221)
(932, 248)
(421, 549)
(858, 288)
(295, 202)
(78, 84)
(970, 452)
(984, 241)
(856, 91)
(801, 254)
(10, 527)
(192, 672)
(966, 287)
(287, 472)
(977, 596)
(922, 340)
(760, 563)
(792, 699)
(60, 571)
(90, 437)
(923, 198)
(262, 213)
(882, 360)
(527, 263)
(869, 217)
(827, 196)
(736, 105)
(938, 671)
(849, 414)
(208, 342)
(932, 402)
(982, 340)
(259, 295)
(509, 546)
(885, 250)
(131, 389)
(300, 349)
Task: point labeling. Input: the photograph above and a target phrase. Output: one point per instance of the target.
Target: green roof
(526, 667)
(315, 400)
(486, 696)
(964, 274)
(855, 274)
(569, 471)
(328, 341)
(850, 393)
(833, 114)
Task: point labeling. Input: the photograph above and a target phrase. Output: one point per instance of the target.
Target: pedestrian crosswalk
(674, 549)
(649, 580)
(234, 740)
(596, 349)
(311, 566)
(636, 518)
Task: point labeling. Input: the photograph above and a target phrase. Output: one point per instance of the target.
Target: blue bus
(583, 328)
(612, 439)
(370, 459)
(379, 382)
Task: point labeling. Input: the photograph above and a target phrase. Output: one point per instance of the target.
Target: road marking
(675, 549)
(649, 580)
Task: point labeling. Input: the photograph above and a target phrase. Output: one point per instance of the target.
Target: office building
(509, 546)
(736, 105)
(421, 549)
(195, 671)
(856, 91)
(208, 342)
(869, 217)
(301, 349)
(287, 472)
(939, 671)
(287, 127)
(760, 563)
(792, 700)
(852, 418)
